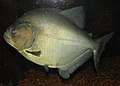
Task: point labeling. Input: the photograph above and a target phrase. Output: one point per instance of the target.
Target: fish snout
(6, 36)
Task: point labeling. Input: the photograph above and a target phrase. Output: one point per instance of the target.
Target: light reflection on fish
(54, 38)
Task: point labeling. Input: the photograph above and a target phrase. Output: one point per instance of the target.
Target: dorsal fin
(77, 15)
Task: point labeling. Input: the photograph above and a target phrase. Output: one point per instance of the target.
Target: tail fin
(102, 42)
(105, 38)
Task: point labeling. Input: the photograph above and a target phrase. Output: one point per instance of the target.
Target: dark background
(102, 17)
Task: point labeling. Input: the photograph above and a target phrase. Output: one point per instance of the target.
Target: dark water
(101, 18)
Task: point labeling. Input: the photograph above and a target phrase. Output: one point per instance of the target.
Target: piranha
(55, 39)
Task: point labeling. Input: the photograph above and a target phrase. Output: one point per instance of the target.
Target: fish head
(19, 35)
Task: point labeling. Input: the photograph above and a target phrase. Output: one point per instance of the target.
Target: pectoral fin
(36, 53)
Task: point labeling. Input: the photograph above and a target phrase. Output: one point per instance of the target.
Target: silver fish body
(54, 38)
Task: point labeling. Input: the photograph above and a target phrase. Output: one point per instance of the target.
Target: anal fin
(68, 69)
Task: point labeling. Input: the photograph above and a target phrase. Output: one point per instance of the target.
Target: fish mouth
(6, 37)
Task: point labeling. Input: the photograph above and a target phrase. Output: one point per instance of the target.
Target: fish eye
(13, 31)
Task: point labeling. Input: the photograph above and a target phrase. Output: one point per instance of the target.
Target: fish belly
(57, 53)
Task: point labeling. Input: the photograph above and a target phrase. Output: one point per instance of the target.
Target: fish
(55, 38)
